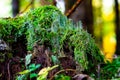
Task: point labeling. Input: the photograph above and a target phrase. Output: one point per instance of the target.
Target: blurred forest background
(101, 18)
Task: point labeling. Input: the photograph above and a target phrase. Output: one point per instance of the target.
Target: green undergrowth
(48, 26)
(111, 70)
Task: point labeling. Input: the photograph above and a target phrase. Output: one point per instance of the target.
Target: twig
(98, 71)
(62, 71)
(32, 1)
(0, 74)
(8, 69)
(70, 11)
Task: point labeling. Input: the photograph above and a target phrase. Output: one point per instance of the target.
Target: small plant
(44, 72)
(24, 75)
(30, 68)
(111, 69)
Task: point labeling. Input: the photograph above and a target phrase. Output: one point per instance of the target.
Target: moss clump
(9, 28)
(48, 26)
(40, 22)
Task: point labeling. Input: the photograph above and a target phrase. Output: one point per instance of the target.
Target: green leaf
(34, 67)
(54, 59)
(28, 59)
(32, 75)
(31, 66)
(24, 72)
(43, 76)
(44, 72)
(21, 77)
(38, 65)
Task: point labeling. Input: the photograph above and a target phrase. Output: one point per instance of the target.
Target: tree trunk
(117, 27)
(84, 13)
(15, 7)
(89, 16)
(69, 4)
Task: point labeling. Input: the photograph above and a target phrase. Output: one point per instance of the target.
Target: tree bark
(84, 13)
(15, 7)
(69, 4)
(117, 27)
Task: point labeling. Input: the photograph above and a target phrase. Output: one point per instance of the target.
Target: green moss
(40, 23)
(9, 28)
(48, 26)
